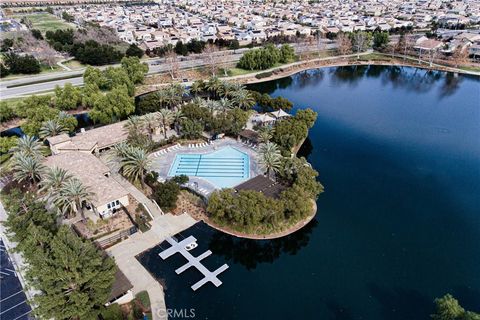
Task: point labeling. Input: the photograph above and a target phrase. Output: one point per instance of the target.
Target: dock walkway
(179, 247)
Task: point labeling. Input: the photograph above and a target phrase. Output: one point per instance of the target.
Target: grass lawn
(74, 64)
(238, 71)
(469, 68)
(46, 22)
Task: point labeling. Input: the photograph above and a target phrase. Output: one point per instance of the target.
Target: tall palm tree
(29, 146)
(134, 124)
(197, 87)
(51, 128)
(199, 102)
(224, 104)
(72, 197)
(53, 180)
(270, 157)
(151, 122)
(178, 117)
(166, 119)
(214, 86)
(243, 99)
(136, 164)
(265, 134)
(163, 98)
(27, 167)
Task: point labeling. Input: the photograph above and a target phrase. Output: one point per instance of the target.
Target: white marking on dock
(193, 261)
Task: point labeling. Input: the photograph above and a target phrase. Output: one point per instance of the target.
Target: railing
(108, 242)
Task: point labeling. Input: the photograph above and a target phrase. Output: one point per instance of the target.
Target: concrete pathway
(124, 253)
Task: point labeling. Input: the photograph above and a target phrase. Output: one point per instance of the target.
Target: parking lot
(13, 301)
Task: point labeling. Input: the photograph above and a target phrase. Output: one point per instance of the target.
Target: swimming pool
(224, 168)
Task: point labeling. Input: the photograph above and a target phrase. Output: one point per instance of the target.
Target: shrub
(264, 75)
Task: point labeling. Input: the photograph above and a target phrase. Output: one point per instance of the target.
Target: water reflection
(398, 77)
(249, 253)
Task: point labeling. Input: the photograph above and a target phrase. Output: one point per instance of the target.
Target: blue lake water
(398, 150)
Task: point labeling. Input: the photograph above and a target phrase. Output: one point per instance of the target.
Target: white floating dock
(193, 261)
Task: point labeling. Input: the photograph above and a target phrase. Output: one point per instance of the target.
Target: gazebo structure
(264, 119)
(248, 136)
(280, 114)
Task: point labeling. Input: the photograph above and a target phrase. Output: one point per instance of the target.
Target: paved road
(24, 86)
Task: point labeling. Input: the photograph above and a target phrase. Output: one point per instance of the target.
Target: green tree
(26, 64)
(32, 103)
(380, 40)
(67, 121)
(116, 77)
(270, 157)
(243, 99)
(52, 181)
(68, 97)
(135, 164)
(447, 308)
(115, 105)
(51, 128)
(27, 168)
(287, 53)
(29, 146)
(135, 69)
(72, 198)
(75, 278)
(36, 117)
(6, 112)
(134, 51)
(191, 129)
(307, 116)
(165, 117)
(166, 194)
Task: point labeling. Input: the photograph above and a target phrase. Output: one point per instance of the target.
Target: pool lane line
(198, 164)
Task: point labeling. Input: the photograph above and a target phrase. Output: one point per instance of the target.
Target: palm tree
(224, 104)
(214, 86)
(134, 124)
(29, 146)
(166, 119)
(270, 157)
(197, 87)
(163, 98)
(72, 197)
(265, 134)
(27, 167)
(177, 119)
(199, 102)
(229, 88)
(51, 128)
(243, 99)
(136, 164)
(151, 122)
(53, 180)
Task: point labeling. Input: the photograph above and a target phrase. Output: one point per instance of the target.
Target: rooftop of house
(92, 172)
(101, 137)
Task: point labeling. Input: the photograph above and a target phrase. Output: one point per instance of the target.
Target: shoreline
(292, 229)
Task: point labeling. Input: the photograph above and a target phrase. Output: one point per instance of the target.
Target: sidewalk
(125, 252)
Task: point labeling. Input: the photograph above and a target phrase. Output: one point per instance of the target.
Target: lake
(398, 150)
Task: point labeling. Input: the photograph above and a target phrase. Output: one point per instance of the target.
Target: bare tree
(210, 58)
(405, 44)
(360, 41)
(459, 56)
(321, 45)
(344, 45)
(171, 59)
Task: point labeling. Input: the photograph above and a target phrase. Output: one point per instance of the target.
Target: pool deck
(163, 162)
